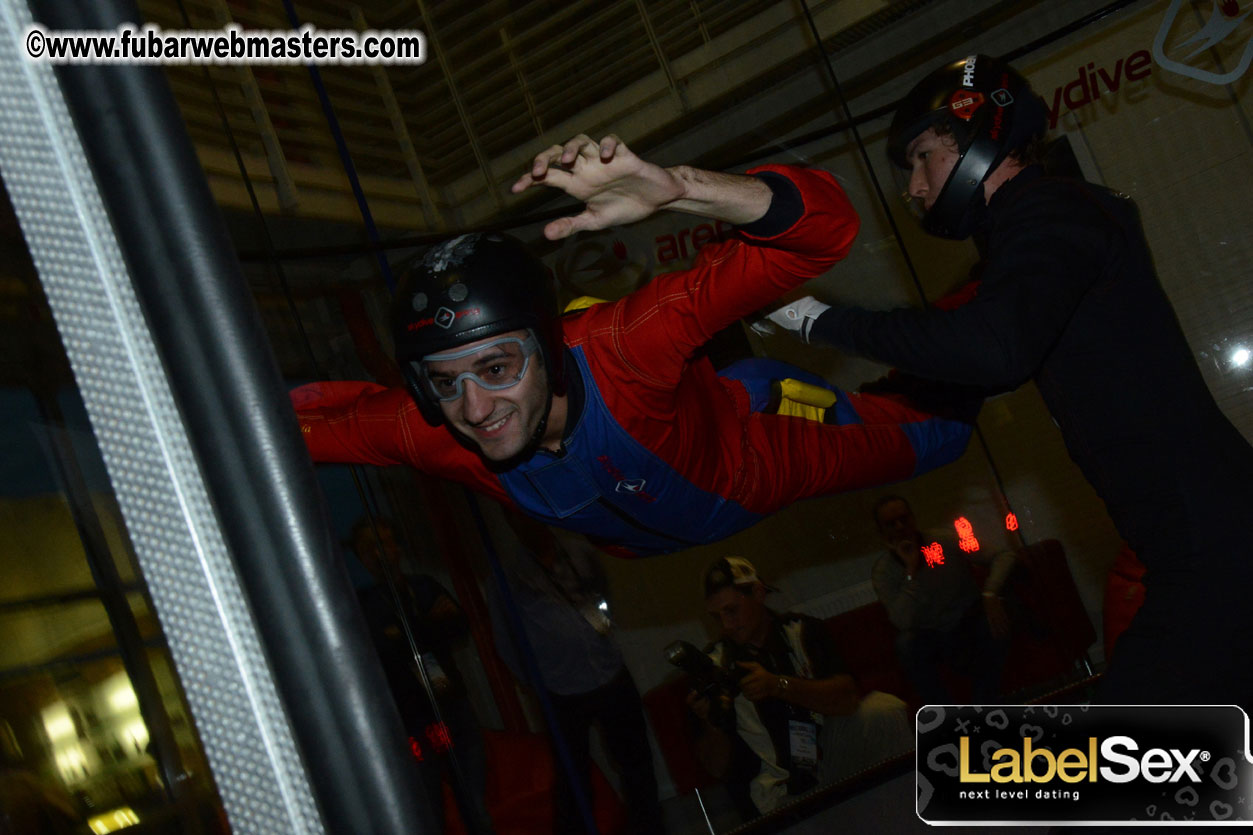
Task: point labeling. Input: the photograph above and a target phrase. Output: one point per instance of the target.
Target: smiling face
(501, 421)
(931, 157)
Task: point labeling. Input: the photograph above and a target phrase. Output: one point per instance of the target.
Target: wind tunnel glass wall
(94, 731)
(720, 85)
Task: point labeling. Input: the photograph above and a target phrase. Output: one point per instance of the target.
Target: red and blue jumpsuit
(660, 452)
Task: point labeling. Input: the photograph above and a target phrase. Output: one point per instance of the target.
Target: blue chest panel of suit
(610, 487)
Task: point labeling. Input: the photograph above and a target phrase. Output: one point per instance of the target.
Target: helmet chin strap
(956, 211)
(538, 437)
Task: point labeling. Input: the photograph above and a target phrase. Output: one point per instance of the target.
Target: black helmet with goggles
(465, 290)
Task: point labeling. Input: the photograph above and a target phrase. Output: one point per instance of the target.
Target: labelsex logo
(1156, 765)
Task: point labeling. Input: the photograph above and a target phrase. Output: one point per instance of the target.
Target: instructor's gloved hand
(798, 316)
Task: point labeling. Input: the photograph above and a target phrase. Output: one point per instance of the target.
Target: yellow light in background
(121, 696)
(57, 722)
(136, 733)
(125, 723)
(119, 818)
(71, 760)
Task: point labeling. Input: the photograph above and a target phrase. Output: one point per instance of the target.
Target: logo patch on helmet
(1002, 98)
(968, 73)
(964, 104)
(443, 317)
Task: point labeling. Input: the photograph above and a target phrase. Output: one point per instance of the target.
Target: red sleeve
(663, 323)
(365, 423)
(354, 423)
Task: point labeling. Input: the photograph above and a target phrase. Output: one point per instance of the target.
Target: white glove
(799, 316)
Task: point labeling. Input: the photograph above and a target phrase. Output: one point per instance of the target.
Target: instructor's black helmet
(466, 289)
(991, 111)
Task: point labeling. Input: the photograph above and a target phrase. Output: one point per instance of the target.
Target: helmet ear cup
(427, 405)
(469, 288)
(990, 109)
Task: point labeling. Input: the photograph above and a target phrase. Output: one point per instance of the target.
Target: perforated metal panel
(193, 583)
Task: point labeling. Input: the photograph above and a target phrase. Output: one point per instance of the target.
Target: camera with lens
(720, 686)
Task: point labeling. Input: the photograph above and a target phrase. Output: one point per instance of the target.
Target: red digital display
(1011, 522)
(933, 554)
(416, 748)
(439, 737)
(965, 535)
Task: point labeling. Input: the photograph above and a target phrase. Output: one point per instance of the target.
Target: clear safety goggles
(495, 365)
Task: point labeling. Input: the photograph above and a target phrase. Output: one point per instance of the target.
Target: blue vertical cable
(577, 781)
(349, 169)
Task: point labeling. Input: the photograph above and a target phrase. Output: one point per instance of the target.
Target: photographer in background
(561, 595)
(796, 709)
(942, 616)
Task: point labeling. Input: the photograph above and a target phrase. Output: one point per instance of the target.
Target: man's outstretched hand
(617, 186)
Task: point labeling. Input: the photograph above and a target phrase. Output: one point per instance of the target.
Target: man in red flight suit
(606, 421)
